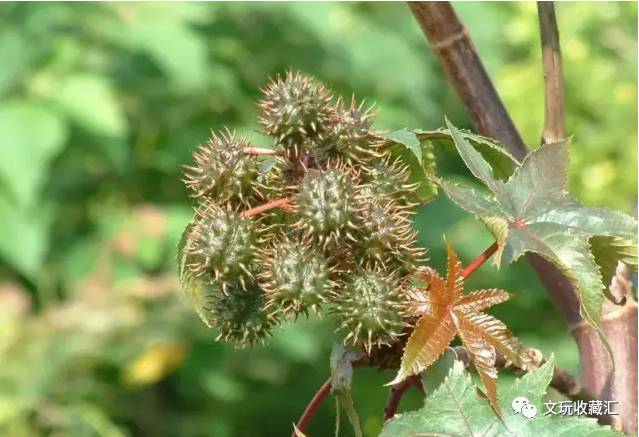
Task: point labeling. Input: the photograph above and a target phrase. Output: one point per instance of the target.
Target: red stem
(262, 151)
(269, 205)
(312, 406)
(396, 393)
(480, 260)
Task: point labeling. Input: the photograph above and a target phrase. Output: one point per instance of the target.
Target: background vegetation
(101, 105)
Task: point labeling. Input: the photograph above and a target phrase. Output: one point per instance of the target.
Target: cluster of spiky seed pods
(321, 220)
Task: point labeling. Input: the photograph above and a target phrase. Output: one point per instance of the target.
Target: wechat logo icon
(522, 405)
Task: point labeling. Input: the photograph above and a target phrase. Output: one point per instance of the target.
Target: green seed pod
(326, 202)
(240, 314)
(293, 109)
(386, 235)
(388, 177)
(370, 307)
(295, 276)
(222, 170)
(221, 244)
(347, 136)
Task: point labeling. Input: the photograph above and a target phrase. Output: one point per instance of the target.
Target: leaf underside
(533, 212)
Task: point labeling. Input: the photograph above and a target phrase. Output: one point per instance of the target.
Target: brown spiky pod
(222, 170)
(295, 276)
(347, 134)
(240, 314)
(386, 236)
(390, 177)
(370, 306)
(221, 244)
(294, 109)
(326, 203)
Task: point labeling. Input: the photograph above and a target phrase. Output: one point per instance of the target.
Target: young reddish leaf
(497, 335)
(482, 299)
(431, 336)
(532, 212)
(452, 313)
(454, 278)
(482, 355)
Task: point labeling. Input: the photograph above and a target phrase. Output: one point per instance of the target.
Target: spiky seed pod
(370, 307)
(294, 109)
(347, 135)
(296, 276)
(222, 170)
(221, 244)
(326, 203)
(390, 177)
(241, 315)
(386, 235)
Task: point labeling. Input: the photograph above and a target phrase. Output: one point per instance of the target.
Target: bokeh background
(101, 105)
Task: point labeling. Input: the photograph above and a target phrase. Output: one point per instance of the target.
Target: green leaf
(13, 46)
(91, 101)
(415, 147)
(341, 380)
(608, 251)
(406, 138)
(31, 137)
(532, 212)
(166, 35)
(435, 375)
(419, 157)
(24, 238)
(501, 161)
(456, 409)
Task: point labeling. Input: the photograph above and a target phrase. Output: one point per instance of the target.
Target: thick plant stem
(619, 322)
(312, 407)
(279, 203)
(554, 120)
(451, 42)
(480, 260)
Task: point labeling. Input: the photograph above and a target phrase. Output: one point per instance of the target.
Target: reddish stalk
(312, 407)
(278, 203)
(262, 151)
(480, 260)
(396, 393)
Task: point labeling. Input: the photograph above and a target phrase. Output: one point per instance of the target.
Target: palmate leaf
(415, 148)
(532, 212)
(452, 313)
(455, 409)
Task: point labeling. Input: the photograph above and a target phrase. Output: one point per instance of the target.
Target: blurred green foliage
(101, 105)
